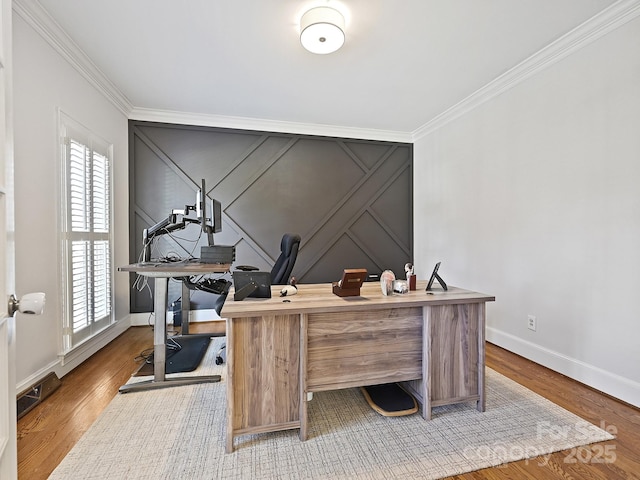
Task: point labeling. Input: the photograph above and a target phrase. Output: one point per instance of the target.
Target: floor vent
(35, 394)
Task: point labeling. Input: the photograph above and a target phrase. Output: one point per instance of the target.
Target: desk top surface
(175, 269)
(312, 298)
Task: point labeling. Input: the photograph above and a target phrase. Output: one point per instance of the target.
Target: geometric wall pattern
(350, 200)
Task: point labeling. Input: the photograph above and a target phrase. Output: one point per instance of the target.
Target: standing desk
(279, 351)
(161, 272)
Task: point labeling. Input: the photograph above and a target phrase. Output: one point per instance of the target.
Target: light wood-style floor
(50, 430)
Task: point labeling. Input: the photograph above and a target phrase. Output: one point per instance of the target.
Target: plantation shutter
(87, 237)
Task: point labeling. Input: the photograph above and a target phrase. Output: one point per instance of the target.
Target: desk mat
(186, 359)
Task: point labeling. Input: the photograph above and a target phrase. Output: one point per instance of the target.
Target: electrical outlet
(531, 322)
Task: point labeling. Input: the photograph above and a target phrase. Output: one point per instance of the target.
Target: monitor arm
(175, 221)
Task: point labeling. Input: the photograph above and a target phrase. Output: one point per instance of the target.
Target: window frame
(72, 132)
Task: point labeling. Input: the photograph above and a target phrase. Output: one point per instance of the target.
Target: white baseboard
(36, 377)
(145, 319)
(610, 383)
(70, 360)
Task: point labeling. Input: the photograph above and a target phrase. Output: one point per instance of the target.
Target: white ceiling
(404, 61)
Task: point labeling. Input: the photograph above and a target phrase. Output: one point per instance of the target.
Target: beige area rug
(179, 433)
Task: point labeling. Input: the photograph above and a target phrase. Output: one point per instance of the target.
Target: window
(86, 233)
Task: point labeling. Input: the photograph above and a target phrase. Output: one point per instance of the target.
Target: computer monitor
(209, 213)
(217, 216)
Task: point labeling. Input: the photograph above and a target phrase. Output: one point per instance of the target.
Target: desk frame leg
(160, 349)
(160, 328)
(185, 302)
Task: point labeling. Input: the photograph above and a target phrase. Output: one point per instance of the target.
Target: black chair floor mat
(185, 359)
(390, 399)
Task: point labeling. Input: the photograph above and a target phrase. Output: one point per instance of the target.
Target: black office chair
(283, 267)
(219, 288)
(281, 271)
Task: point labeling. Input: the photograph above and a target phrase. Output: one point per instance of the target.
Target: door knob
(31, 303)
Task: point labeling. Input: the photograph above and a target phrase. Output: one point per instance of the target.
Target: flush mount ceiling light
(322, 30)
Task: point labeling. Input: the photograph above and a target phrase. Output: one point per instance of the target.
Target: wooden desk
(279, 351)
(161, 272)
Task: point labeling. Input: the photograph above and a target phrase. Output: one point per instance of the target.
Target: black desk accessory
(435, 276)
(217, 254)
(251, 284)
(245, 291)
(247, 268)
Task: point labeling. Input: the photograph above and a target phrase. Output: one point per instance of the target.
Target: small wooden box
(349, 286)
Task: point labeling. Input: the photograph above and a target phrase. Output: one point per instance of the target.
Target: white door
(8, 448)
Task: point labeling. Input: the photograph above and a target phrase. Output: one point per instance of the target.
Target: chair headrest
(289, 240)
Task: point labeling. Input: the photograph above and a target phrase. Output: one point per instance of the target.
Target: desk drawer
(363, 348)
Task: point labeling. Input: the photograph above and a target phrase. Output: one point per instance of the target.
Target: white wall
(44, 82)
(534, 197)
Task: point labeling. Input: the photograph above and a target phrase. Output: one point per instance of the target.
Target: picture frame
(435, 276)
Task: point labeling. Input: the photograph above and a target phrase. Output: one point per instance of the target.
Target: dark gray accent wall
(350, 200)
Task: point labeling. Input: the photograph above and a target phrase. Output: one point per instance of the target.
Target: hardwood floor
(50, 430)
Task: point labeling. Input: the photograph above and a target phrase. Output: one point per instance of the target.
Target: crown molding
(37, 17)
(597, 26)
(246, 123)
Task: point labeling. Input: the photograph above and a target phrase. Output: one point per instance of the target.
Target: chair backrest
(284, 264)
